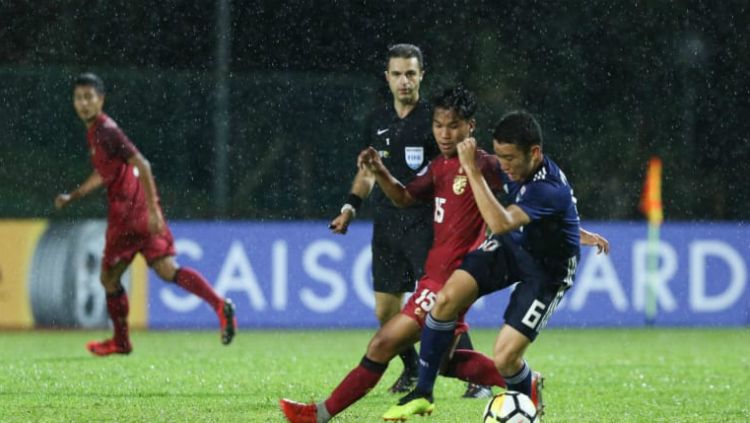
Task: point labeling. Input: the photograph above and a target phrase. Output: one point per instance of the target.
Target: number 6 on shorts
(534, 314)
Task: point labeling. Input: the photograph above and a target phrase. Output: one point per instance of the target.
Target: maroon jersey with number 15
(457, 223)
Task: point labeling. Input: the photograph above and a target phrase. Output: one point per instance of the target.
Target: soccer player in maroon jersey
(135, 223)
(458, 228)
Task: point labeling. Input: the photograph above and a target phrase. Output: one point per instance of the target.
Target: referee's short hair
(404, 51)
(89, 79)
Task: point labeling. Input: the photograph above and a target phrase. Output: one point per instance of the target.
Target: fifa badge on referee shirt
(414, 157)
(459, 184)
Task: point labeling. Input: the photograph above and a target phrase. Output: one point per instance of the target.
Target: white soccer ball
(510, 407)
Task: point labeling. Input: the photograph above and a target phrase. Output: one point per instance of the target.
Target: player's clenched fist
(467, 151)
(369, 159)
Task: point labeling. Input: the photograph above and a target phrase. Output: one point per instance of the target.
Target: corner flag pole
(651, 206)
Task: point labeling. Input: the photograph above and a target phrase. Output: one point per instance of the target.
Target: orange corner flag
(651, 196)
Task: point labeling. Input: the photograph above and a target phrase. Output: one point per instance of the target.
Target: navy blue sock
(521, 381)
(437, 336)
(411, 360)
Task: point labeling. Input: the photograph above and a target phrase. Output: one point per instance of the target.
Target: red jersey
(457, 223)
(110, 151)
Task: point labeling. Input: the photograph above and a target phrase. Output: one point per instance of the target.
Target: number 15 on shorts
(426, 300)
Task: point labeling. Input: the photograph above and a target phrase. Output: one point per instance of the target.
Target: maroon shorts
(422, 301)
(122, 244)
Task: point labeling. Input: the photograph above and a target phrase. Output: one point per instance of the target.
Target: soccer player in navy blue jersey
(534, 242)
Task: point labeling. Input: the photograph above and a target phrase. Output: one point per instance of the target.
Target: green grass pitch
(595, 375)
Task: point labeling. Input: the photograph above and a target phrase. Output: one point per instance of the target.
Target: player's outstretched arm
(361, 188)
(91, 183)
(595, 240)
(155, 219)
(498, 218)
(392, 188)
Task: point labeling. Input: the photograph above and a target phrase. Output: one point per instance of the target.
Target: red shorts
(422, 301)
(122, 244)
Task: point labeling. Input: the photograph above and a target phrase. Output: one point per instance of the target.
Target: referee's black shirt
(406, 146)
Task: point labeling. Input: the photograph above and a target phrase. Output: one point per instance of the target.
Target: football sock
(475, 367)
(118, 308)
(436, 339)
(464, 342)
(355, 385)
(411, 360)
(321, 413)
(195, 283)
(521, 381)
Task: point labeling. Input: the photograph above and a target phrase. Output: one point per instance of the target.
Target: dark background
(612, 83)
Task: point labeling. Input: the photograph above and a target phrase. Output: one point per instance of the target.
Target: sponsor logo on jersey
(384, 154)
(459, 184)
(383, 131)
(414, 157)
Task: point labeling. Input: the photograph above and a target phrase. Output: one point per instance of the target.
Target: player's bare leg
(388, 305)
(118, 308)
(398, 332)
(193, 282)
(509, 350)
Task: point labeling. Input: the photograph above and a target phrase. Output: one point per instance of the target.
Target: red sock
(474, 367)
(118, 308)
(355, 385)
(193, 282)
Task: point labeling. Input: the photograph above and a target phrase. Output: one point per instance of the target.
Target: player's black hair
(518, 127)
(404, 51)
(90, 80)
(462, 101)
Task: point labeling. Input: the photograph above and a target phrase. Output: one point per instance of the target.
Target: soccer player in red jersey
(135, 223)
(458, 228)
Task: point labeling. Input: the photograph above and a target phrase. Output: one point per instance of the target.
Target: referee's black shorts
(400, 242)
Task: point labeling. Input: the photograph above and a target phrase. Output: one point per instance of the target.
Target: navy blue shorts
(500, 263)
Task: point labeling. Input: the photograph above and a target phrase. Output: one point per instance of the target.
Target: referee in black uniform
(401, 132)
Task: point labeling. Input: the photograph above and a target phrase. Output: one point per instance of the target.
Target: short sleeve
(540, 199)
(116, 143)
(422, 187)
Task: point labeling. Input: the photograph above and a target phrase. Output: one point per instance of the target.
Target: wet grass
(666, 375)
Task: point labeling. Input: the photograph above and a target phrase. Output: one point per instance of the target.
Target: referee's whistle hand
(340, 224)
